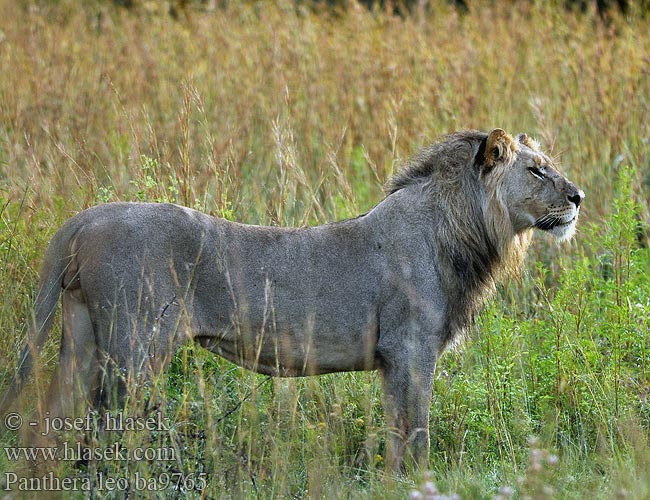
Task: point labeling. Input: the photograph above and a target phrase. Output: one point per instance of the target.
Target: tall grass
(269, 113)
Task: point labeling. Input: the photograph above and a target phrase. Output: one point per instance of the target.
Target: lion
(387, 291)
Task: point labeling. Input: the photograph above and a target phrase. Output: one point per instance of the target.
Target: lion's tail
(55, 263)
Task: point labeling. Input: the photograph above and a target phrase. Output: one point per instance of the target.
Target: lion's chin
(564, 231)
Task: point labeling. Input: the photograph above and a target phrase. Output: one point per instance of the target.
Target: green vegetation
(271, 113)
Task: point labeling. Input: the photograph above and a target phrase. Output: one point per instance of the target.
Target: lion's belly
(286, 345)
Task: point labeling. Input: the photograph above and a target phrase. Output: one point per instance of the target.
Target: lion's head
(486, 193)
(526, 183)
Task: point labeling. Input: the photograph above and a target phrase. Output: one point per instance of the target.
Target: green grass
(278, 115)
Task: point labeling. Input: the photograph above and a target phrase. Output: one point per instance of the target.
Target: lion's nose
(577, 197)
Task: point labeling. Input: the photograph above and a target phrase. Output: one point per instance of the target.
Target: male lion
(387, 290)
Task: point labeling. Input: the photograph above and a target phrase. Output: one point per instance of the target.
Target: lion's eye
(537, 172)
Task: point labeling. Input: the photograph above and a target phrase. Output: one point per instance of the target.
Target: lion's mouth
(549, 222)
(567, 223)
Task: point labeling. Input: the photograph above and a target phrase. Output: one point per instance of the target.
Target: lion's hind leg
(75, 381)
(134, 346)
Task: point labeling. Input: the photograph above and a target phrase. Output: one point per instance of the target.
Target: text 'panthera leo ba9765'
(387, 290)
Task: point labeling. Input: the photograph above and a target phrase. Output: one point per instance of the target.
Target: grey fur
(387, 290)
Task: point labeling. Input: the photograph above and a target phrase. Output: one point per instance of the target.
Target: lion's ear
(526, 140)
(499, 147)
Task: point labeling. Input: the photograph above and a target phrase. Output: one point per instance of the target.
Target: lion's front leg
(407, 384)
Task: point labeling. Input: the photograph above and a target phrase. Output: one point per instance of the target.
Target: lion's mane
(473, 234)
